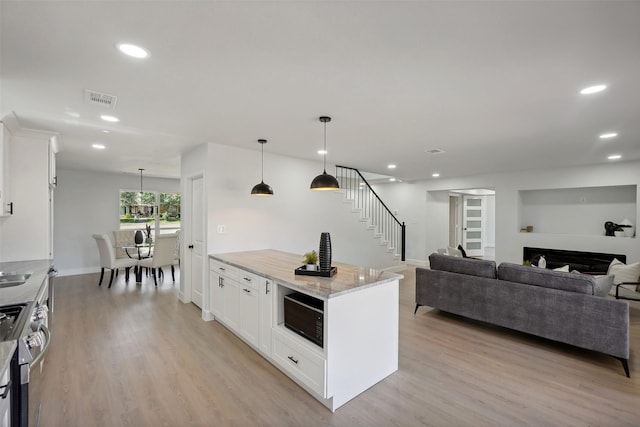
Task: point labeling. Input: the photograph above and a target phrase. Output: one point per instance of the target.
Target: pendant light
(324, 181)
(140, 169)
(262, 189)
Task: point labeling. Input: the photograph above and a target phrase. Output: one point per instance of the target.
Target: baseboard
(78, 271)
(417, 262)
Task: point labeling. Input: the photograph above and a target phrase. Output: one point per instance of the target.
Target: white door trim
(185, 294)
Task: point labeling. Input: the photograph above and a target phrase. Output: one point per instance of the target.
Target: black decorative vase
(325, 252)
(138, 238)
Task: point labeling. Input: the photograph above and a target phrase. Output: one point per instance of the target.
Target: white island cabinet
(360, 320)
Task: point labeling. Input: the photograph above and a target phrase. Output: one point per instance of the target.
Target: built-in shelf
(577, 211)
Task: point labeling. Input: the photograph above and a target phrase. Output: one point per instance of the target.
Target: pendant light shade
(324, 181)
(262, 189)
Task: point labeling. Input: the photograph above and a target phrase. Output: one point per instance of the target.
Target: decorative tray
(321, 273)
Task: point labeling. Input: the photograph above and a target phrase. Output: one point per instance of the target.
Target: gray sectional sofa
(555, 305)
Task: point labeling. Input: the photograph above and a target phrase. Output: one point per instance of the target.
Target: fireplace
(584, 262)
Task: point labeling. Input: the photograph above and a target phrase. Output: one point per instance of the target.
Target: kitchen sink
(12, 279)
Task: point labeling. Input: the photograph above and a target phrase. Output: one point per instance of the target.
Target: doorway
(195, 238)
(472, 222)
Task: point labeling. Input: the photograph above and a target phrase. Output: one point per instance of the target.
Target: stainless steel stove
(26, 324)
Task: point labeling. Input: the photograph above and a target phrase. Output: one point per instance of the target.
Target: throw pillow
(625, 273)
(453, 251)
(563, 268)
(603, 286)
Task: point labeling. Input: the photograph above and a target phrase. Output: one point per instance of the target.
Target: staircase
(372, 210)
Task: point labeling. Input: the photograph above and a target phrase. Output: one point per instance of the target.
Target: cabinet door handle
(10, 208)
(292, 359)
(221, 282)
(247, 279)
(267, 288)
(246, 290)
(190, 246)
(221, 268)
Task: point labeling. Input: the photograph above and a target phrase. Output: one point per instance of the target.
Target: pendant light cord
(325, 148)
(262, 166)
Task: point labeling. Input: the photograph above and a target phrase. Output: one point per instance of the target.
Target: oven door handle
(45, 346)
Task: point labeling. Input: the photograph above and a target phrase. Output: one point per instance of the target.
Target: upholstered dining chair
(163, 255)
(109, 260)
(123, 238)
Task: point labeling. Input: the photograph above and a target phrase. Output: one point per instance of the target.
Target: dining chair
(176, 256)
(121, 239)
(109, 260)
(163, 255)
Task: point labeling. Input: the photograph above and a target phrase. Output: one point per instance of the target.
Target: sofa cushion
(580, 283)
(469, 266)
(629, 273)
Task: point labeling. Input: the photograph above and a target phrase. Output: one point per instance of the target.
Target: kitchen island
(357, 325)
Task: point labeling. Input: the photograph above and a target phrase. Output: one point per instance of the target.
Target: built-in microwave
(304, 315)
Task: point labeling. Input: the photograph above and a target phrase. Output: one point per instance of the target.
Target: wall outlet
(222, 229)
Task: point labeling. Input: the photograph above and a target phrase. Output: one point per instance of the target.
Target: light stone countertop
(279, 266)
(32, 287)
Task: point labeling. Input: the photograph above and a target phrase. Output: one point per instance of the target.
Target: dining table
(140, 251)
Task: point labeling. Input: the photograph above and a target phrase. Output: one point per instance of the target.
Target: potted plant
(311, 260)
(619, 232)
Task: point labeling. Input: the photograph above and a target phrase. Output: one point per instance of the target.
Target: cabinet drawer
(248, 280)
(299, 362)
(224, 269)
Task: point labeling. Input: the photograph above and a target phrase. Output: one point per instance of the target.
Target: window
(159, 210)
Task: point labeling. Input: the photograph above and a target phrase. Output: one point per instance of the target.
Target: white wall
(292, 219)
(509, 240)
(410, 201)
(88, 203)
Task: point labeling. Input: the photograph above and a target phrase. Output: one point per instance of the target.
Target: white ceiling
(494, 84)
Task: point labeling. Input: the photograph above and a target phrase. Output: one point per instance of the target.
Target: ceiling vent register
(93, 97)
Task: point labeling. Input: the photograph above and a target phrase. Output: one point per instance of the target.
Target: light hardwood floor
(134, 355)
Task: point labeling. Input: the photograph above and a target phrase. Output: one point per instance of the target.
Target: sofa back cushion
(580, 283)
(468, 266)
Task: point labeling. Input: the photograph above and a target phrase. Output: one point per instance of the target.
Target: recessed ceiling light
(608, 135)
(133, 50)
(614, 157)
(392, 179)
(593, 89)
(391, 166)
(435, 174)
(73, 114)
(98, 146)
(105, 131)
(109, 118)
(322, 152)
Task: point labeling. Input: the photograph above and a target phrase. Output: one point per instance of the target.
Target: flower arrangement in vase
(148, 233)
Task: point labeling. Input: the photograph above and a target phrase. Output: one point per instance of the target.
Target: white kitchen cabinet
(216, 303)
(266, 314)
(28, 233)
(53, 174)
(360, 322)
(224, 294)
(249, 308)
(5, 171)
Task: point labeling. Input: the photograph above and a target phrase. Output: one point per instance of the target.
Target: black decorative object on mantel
(325, 252)
(138, 238)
